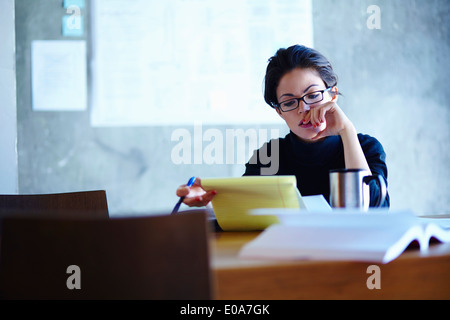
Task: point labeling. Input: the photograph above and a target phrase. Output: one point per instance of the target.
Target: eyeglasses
(309, 98)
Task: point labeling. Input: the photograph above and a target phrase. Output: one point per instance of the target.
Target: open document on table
(377, 236)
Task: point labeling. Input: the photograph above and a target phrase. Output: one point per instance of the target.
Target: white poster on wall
(59, 75)
(176, 62)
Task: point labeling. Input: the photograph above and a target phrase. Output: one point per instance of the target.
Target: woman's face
(296, 84)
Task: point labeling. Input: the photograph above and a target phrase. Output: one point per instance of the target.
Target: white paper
(316, 203)
(325, 215)
(59, 75)
(176, 62)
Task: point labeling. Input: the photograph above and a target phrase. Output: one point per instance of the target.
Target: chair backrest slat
(153, 257)
(92, 204)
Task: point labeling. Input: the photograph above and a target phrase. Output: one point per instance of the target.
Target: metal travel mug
(349, 188)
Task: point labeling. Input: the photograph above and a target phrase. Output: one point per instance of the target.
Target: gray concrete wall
(393, 82)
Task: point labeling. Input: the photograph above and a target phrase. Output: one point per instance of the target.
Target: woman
(301, 86)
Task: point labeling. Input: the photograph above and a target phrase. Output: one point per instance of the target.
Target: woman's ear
(279, 112)
(334, 94)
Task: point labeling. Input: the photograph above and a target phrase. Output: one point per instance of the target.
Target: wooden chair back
(153, 257)
(92, 204)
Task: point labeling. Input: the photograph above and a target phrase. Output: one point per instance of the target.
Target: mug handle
(381, 184)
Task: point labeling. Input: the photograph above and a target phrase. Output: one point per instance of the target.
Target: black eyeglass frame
(278, 106)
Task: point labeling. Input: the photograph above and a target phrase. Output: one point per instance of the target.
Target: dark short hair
(286, 60)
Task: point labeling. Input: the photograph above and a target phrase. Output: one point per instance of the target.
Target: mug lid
(347, 170)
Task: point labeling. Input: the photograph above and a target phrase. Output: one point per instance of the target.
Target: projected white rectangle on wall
(176, 62)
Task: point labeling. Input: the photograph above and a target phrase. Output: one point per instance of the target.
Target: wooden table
(410, 276)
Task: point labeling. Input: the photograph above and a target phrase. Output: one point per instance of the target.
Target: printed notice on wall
(175, 62)
(59, 76)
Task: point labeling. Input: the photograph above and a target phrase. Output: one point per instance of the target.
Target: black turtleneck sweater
(311, 162)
